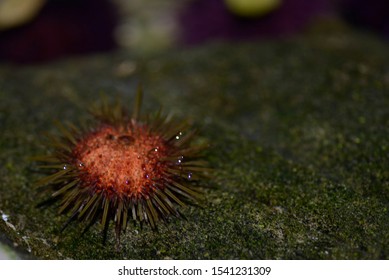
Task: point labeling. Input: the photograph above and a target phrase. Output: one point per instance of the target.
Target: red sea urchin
(124, 168)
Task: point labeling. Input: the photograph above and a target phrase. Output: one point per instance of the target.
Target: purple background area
(209, 19)
(61, 28)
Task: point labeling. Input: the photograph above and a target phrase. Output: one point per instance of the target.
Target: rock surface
(299, 132)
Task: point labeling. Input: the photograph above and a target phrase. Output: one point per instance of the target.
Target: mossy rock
(299, 143)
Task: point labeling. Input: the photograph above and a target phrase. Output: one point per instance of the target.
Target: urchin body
(124, 168)
(123, 162)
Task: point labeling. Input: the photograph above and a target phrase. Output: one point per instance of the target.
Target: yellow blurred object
(252, 8)
(18, 12)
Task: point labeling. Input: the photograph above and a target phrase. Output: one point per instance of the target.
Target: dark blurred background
(38, 31)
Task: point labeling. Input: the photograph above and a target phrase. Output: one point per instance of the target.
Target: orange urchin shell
(124, 168)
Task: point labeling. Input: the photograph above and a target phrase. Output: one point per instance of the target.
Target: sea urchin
(123, 168)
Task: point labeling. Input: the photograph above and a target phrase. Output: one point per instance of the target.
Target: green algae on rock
(301, 149)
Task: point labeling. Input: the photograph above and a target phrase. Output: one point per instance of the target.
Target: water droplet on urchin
(178, 136)
(180, 160)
